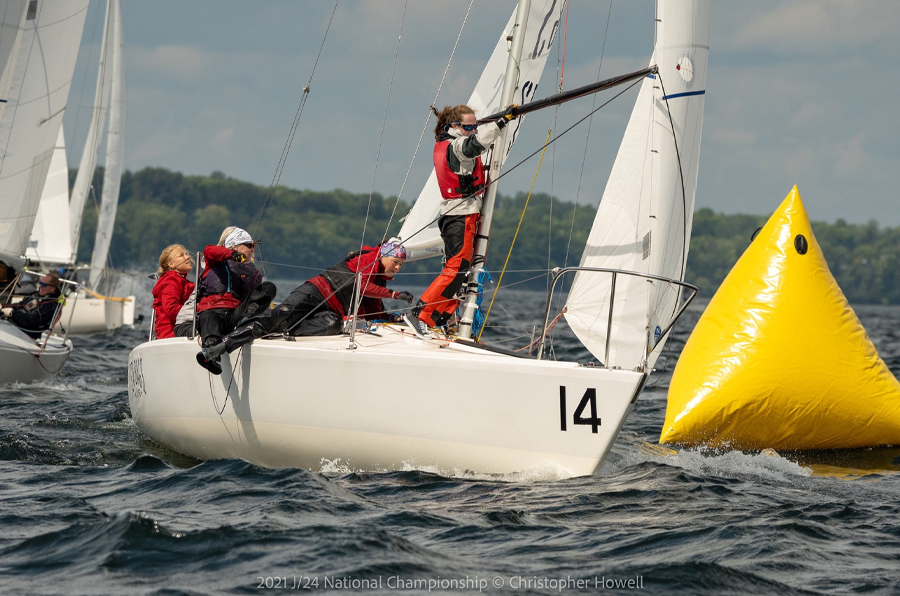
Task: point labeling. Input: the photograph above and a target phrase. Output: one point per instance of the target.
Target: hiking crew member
(172, 288)
(36, 312)
(319, 305)
(461, 178)
(231, 287)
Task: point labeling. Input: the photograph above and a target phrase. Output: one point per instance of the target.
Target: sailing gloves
(506, 116)
(238, 257)
(403, 296)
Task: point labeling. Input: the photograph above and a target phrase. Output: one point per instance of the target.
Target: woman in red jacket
(172, 288)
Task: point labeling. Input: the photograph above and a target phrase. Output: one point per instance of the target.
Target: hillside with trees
(305, 230)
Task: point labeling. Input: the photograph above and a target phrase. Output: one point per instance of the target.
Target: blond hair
(225, 234)
(166, 256)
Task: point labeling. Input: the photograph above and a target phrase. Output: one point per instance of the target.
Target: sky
(798, 92)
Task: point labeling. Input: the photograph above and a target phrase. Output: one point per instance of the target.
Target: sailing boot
(209, 359)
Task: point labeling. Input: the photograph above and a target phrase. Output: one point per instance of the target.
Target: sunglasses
(42, 284)
(466, 127)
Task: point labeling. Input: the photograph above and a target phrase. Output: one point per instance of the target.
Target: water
(88, 506)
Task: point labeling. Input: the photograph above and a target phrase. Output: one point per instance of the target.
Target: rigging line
(279, 168)
(362, 240)
(515, 236)
(427, 119)
(564, 6)
(587, 139)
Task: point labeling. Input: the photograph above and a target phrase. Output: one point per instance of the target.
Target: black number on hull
(589, 397)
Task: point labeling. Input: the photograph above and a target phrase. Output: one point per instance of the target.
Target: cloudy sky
(798, 92)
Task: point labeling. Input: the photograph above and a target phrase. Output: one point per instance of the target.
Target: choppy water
(88, 506)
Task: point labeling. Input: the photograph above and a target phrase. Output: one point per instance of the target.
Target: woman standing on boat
(461, 178)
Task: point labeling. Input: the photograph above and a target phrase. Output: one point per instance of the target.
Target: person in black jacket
(36, 312)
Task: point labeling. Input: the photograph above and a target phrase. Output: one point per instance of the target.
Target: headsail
(38, 92)
(50, 241)
(115, 149)
(644, 220)
(423, 240)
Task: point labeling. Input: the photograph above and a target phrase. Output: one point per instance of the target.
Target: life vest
(342, 279)
(453, 185)
(229, 277)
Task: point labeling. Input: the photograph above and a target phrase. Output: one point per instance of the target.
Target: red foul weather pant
(458, 233)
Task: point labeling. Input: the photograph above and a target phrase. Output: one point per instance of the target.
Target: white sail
(85, 175)
(419, 232)
(12, 23)
(50, 242)
(38, 92)
(644, 220)
(115, 150)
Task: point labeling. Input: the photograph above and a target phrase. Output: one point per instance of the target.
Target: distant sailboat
(455, 404)
(94, 310)
(37, 54)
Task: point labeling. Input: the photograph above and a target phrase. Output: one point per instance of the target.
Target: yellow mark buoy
(779, 359)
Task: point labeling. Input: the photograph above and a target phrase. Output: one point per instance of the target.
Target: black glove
(510, 112)
(404, 295)
(238, 257)
(395, 317)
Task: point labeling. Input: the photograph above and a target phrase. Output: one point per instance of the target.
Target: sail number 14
(588, 399)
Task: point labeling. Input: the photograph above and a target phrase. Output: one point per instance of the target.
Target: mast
(85, 175)
(112, 175)
(498, 156)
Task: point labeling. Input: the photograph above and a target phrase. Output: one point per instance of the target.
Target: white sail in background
(12, 23)
(644, 220)
(38, 92)
(85, 175)
(50, 241)
(419, 232)
(115, 151)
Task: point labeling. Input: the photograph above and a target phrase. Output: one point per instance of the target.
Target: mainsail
(644, 220)
(85, 176)
(38, 92)
(419, 232)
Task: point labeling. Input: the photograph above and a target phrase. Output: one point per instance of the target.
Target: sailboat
(54, 240)
(37, 57)
(314, 401)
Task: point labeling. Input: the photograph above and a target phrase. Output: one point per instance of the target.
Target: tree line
(303, 231)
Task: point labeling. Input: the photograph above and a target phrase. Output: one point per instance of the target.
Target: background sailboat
(452, 404)
(37, 74)
(95, 310)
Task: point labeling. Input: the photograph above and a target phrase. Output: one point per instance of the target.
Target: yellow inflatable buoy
(779, 359)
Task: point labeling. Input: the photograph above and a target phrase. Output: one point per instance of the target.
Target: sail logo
(136, 388)
(657, 333)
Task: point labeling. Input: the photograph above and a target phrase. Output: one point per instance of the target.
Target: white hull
(96, 315)
(395, 402)
(23, 361)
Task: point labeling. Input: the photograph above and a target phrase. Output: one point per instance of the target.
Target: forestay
(38, 91)
(419, 232)
(644, 220)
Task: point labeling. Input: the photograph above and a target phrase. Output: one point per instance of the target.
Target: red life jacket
(453, 185)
